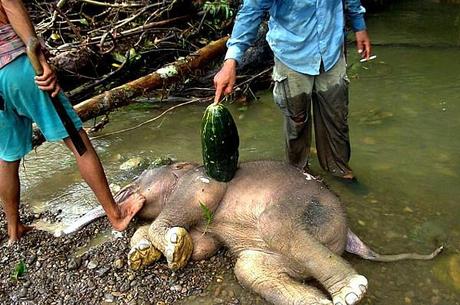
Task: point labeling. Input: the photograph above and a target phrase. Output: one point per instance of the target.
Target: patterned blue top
(301, 33)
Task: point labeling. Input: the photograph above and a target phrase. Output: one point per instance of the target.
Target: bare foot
(16, 233)
(128, 209)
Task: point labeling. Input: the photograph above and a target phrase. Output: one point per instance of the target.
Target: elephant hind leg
(263, 273)
(290, 240)
(204, 245)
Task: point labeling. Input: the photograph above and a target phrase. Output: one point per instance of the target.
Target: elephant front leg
(291, 239)
(142, 252)
(184, 209)
(266, 275)
(174, 242)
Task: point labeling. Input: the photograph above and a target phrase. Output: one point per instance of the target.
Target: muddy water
(404, 118)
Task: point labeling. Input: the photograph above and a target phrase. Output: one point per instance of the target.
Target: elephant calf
(281, 224)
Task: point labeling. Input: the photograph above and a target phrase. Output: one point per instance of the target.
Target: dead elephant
(281, 224)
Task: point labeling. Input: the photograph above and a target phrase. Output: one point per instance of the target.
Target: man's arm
(20, 21)
(355, 13)
(243, 36)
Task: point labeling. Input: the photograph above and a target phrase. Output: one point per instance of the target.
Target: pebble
(102, 271)
(92, 265)
(408, 210)
(125, 287)
(176, 288)
(109, 298)
(31, 259)
(118, 263)
(74, 263)
(22, 292)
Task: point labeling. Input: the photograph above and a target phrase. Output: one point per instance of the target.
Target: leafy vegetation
(218, 9)
(18, 271)
(207, 215)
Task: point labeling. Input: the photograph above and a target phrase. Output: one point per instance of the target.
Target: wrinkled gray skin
(282, 225)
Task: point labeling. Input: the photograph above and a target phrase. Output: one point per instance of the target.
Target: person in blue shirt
(307, 39)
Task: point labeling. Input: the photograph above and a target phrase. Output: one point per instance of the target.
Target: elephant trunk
(89, 217)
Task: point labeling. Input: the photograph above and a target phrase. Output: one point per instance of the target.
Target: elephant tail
(358, 247)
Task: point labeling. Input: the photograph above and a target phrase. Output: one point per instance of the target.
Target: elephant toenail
(363, 288)
(174, 238)
(339, 303)
(351, 299)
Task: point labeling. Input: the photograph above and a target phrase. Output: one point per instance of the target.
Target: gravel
(55, 275)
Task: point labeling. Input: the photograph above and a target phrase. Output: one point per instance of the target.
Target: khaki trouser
(327, 94)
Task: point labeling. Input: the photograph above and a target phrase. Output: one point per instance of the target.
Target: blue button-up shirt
(301, 33)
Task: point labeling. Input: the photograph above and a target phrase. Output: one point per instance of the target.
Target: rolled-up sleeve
(355, 13)
(247, 22)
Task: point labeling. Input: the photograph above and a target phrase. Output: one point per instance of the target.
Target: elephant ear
(125, 192)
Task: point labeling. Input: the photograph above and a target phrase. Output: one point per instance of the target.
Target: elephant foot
(179, 247)
(352, 292)
(142, 254)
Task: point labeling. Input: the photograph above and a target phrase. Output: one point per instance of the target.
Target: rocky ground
(55, 274)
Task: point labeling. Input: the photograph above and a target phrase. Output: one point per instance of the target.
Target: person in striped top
(24, 99)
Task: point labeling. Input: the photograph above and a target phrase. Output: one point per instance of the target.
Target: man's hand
(363, 43)
(47, 81)
(225, 79)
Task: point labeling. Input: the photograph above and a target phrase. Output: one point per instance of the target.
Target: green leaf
(118, 57)
(133, 55)
(207, 213)
(84, 21)
(19, 270)
(55, 36)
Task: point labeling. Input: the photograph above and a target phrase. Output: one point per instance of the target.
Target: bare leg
(92, 172)
(10, 195)
(264, 274)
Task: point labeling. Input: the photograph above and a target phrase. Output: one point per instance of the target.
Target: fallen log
(124, 95)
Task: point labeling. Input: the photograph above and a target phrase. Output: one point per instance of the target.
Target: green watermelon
(219, 142)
